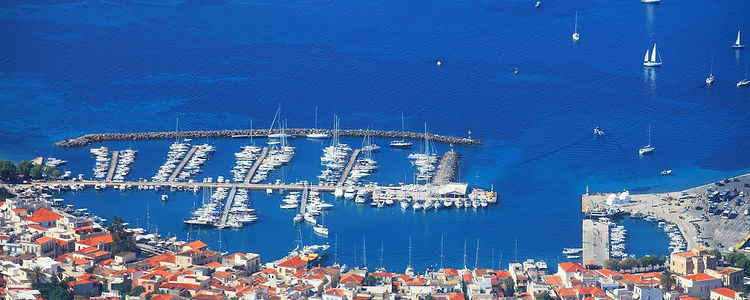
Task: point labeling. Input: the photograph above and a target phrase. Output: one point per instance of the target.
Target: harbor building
(694, 261)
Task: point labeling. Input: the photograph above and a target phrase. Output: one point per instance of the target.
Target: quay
(447, 168)
(595, 242)
(182, 164)
(349, 167)
(710, 215)
(303, 201)
(112, 165)
(227, 207)
(92, 138)
(255, 166)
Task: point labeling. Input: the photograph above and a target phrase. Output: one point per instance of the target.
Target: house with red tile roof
(334, 294)
(44, 217)
(699, 285)
(82, 287)
(43, 246)
(101, 242)
(290, 265)
(730, 277)
(724, 294)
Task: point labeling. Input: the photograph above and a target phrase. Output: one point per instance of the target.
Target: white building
(618, 199)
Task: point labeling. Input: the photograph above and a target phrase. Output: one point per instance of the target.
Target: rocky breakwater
(92, 138)
(447, 168)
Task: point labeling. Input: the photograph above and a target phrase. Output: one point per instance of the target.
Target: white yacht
(710, 78)
(650, 1)
(349, 193)
(319, 229)
(648, 148)
(317, 134)
(738, 44)
(402, 143)
(650, 60)
(576, 35)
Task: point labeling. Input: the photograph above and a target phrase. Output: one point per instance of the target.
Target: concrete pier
(303, 201)
(112, 165)
(447, 169)
(349, 167)
(184, 161)
(227, 207)
(257, 163)
(89, 139)
(595, 242)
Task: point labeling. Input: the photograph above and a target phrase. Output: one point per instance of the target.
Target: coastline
(88, 139)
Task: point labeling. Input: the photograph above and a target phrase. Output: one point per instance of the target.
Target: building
(730, 277)
(618, 199)
(699, 285)
(724, 294)
(695, 261)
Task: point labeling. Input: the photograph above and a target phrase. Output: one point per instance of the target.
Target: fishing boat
(738, 44)
(317, 134)
(648, 148)
(571, 251)
(650, 60)
(666, 172)
(402, 143)
(576, 35)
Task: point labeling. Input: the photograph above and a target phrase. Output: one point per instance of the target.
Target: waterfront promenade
(595, 242)
(92, 138)
(689, 210)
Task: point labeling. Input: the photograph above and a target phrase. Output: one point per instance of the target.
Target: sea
(69, 68)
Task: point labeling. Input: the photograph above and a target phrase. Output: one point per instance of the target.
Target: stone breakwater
(447, 168)
(92, 138)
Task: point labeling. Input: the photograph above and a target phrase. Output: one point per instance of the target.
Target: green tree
(543, 296)
(36, 275)
(611, 264)
(136, 291)
(734, 257)
(509, 286)
(715, 252)
(370, 280)
(36, 172)
(5, 194)
(629, 262)
(666, 280)
(8, 171)
(24, 168)
(52, 172)
(121, 239)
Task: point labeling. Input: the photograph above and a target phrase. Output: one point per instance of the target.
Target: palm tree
(36, 275)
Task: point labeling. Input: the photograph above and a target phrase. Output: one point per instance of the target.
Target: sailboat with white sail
(576, 35)
(650, 60)
(710, 79)
(648, 148)
(317, 134)
(402, 143)
(738, 44)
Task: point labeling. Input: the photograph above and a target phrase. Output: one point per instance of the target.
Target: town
(51, 254)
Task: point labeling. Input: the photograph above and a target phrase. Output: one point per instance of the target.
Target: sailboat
(744, 81)
(576, 36)
(409, 270)
(710, 79)
(737, 44)
(650, 61)
(648, 148)
(316, 134)
(650, 1)
(320, 228)
(402, 143)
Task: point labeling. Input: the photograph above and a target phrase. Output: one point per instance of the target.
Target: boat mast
(464, 253)
(381, 255)
(316, 118)
(403, 132)
(441, 252)
(177, 130)
(336, 249)
(476, 257)
(409, 265)
(364, 252)
(649, 134)
(576, 25)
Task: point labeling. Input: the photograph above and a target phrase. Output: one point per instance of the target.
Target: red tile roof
(570, 267)
(335, 292)
(699, 277)
(351, 278)
(450, 272)
(724, 292)
(162, 297)
(43, 215)
(553, 280)
(293, 262)
(99, 240)
(43, 240)
(197, 245)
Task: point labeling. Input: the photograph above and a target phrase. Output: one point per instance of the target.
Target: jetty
(349, 166)
(112, 165)
(88, 139)
(595, 242)
(255, 166)
(447, 168)
(303, 201)
(227, 207)
(182, 164)
(721, 227)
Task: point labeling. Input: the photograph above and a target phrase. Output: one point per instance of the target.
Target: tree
(52, 172)
(629, 262)
(36, 172)
(611, 264)
(666, 281)
(136, 291)
(715, 252)
(24, 168)
(8, 170)
(121, 239)
(370, 280)
(509, 286)
(5, 194)
(36, 275)
(543, 296)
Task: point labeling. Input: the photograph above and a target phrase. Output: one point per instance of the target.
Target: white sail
(653, 54)
(645, 57)
(738, 38)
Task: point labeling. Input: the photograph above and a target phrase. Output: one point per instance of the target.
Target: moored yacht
(648, 148)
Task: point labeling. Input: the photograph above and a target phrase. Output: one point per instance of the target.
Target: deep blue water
(69, 68)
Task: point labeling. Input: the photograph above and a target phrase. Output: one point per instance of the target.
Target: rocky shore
(92, 138)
